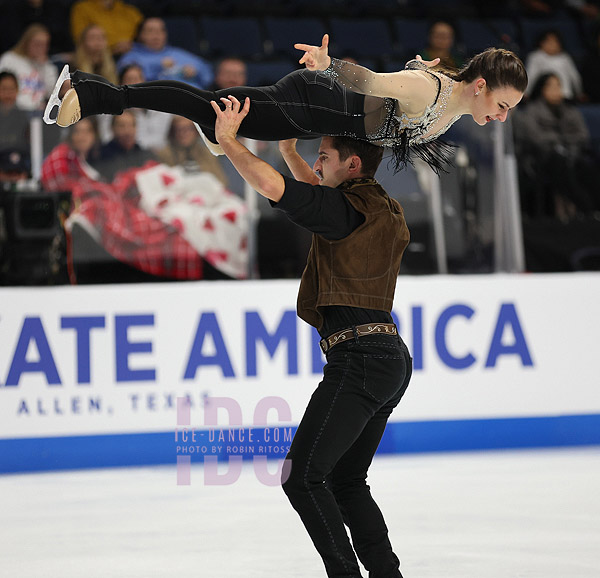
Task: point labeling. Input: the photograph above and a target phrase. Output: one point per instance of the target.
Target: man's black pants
(326, 467)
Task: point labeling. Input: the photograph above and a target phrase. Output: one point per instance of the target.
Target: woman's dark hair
(369, 154)
(538, 87)
(499, 67)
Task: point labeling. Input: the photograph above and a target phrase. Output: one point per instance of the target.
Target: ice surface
(464, 515)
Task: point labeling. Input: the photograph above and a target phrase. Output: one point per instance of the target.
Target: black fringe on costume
(438, 154)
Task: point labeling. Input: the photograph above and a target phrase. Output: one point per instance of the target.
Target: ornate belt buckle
(324, 345)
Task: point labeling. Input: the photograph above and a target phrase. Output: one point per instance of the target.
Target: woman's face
(184, 131)
(552, 91)
(441, 36)
(83, 137)
(494, 104)
(38, 46)
(94, 41)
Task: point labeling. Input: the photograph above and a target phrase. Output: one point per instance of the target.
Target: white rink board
(542, 331)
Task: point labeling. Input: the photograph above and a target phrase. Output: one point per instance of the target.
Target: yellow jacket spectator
(120, 21)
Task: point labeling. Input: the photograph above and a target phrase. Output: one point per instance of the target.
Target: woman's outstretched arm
(413, 89)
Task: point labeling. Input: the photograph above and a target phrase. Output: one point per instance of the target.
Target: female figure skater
(404, 110)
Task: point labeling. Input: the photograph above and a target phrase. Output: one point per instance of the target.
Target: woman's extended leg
(301, 105)
(265, 121)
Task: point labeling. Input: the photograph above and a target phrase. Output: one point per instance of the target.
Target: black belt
(358, 331)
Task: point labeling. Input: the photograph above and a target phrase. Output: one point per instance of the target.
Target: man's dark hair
(369, 154)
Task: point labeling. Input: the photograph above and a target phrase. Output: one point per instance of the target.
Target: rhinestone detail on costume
(396, 126)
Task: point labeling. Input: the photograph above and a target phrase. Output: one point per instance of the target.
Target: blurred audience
(540, 8)
(93, 55)
(186, 149)
(72, 161)
(591, 69)
(119, 21)
(19, 14)
(230, 71)
(161, 61)
(441, 44)
(557, 172)
(29, 62)
(152, 125)
(550, 57)
(586, 9)
(122, 152)
(14, 122)
(15, 166)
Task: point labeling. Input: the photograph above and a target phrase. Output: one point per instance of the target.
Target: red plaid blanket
(136, 232)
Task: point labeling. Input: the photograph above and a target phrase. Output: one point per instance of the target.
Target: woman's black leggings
(303, 104)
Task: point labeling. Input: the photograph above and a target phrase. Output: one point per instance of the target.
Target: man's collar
(357, 182)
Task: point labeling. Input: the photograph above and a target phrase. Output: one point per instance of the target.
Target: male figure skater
(346, 292)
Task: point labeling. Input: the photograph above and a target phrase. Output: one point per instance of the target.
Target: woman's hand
(428, 63)
(315, 57)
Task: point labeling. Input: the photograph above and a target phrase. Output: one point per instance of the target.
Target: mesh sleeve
(353, 76)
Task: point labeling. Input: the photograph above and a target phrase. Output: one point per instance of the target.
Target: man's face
(230, 73)
(154, 34)
(329, 168)
(8, 92)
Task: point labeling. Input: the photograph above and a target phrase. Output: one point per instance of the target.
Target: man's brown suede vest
(359, 270)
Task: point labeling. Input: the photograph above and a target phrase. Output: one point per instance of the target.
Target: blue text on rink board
(507, 338)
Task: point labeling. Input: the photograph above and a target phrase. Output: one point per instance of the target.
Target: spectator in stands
(14, 122)
(15, 166)
(152, 125)
(557, 173)
(185, 148)
(161, 61)
(440, 44)
(550, 56)
(122, 152)
(119, 21)
(28, 61)
(229, 72)
(93, 55)
(71, 162)
(590, 70)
